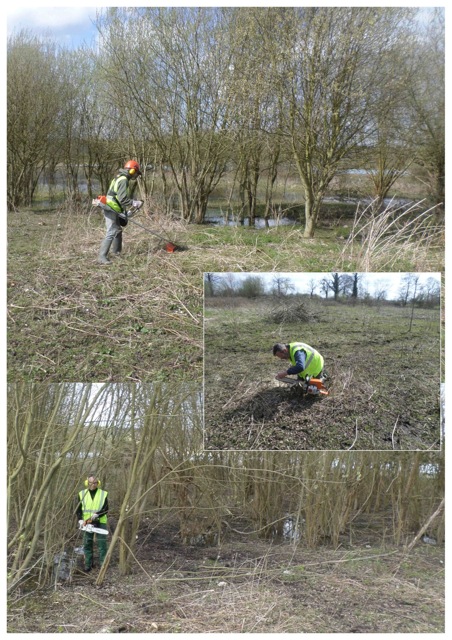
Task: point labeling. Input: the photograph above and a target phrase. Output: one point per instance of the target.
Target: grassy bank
(383, 378)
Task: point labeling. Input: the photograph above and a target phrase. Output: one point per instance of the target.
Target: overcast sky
(390, 282)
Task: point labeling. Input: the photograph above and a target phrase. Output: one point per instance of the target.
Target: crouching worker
(305, 360)
(92, 509)
(118, 201)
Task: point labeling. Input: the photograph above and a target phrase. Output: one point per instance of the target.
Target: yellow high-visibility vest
(111, 194)
(314, 361)
(90, 505)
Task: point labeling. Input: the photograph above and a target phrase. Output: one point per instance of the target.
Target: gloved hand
(95, 516)
(81, 523)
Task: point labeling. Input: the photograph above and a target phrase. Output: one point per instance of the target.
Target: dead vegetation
(284, 310)
(248, 587)
(378, 236)
(370, 405)
(237, 533)
(141, 317)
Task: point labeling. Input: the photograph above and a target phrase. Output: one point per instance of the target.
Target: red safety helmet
(133, 167)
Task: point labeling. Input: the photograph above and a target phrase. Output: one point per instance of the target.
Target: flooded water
(218, 218)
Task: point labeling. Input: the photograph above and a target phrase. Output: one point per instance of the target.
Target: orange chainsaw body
(320, 386)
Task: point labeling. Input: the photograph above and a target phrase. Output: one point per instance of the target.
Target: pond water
(216, 217)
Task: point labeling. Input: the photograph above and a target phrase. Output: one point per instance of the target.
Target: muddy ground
(247, 585)
(383, 378)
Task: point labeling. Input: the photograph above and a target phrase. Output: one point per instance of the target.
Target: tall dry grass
(379, 238)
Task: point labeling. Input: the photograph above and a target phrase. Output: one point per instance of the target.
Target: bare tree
(432, 292)
(171, 65)
(33, 101)
(408, 288)
(380, 290)
(255, 106)
(329, 62)
(43, 446)
(211, 282)
(425, 104)
(312, 286)
(228, 284)
(325, 286)
(282, 286)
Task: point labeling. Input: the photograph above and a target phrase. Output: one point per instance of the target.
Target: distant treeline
(339, 287)
(195, 93)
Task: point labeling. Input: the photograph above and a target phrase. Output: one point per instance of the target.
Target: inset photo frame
(322, 361)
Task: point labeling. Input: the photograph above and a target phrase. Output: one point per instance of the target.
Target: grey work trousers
(114, 229)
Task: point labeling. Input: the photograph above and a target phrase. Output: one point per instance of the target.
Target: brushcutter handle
(136, 206)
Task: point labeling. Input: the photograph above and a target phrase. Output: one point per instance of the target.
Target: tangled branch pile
(290, 311)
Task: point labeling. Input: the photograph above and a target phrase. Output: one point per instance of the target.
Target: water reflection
(216, 218)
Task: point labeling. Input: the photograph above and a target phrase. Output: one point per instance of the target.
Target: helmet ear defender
(132, 167)
(86, 482)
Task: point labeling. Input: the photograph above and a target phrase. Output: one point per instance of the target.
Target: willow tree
(48, 444)
(327, 62)
(425, 104)
(254, 106)
(154, 413)
(170, 65)
(33, 105)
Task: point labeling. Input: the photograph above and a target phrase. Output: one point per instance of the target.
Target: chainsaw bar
(290, 381)
(311, 386)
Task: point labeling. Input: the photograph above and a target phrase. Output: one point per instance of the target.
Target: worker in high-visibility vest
(119, 200)
(305, 360)
(92, 509)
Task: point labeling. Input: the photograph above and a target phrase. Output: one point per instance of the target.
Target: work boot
(116, 245)
(103, 251)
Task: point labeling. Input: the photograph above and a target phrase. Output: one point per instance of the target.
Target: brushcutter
(309, 386)
(101, 201)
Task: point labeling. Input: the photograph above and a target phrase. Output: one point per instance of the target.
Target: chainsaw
(90, 528)
(309, 386)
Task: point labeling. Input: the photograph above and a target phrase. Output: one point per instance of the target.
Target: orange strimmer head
(170, 247)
